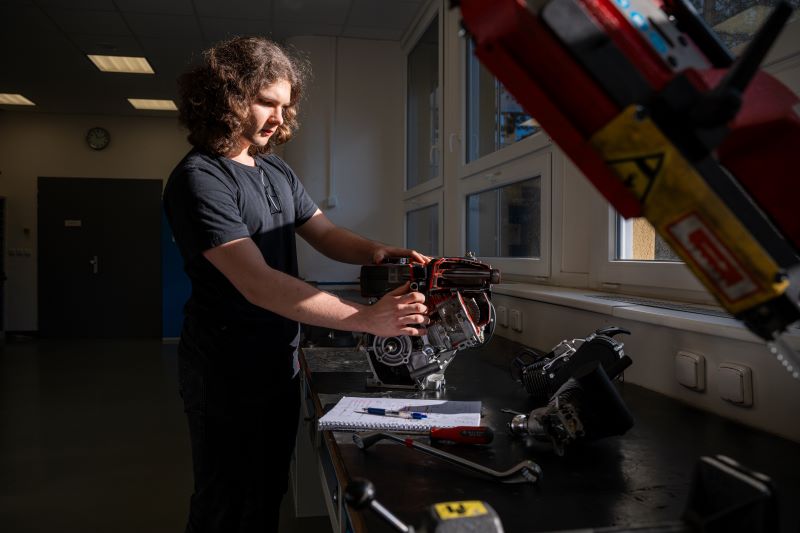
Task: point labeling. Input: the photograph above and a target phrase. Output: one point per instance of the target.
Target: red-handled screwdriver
(462, 435)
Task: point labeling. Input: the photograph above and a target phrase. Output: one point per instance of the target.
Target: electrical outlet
(690, 370)
(736, 384)
(515, 320)
(502, 315)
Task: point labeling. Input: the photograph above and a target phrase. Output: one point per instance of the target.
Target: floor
(93, 438)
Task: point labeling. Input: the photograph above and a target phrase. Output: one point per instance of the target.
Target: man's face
(266, 113)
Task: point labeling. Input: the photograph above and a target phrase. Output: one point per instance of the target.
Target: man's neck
(242, 156)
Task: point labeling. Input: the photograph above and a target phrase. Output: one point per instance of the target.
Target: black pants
(242, 406)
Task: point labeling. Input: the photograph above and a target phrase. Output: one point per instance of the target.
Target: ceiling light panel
(126, 64)
(14, 99)
(155, 105)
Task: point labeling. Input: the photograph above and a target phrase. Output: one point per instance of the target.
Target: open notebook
(346, 415)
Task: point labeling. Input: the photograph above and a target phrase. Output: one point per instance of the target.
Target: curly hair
(214, 98)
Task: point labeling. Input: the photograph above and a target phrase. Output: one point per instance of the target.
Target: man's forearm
(345, 246)
(295, 299)
(399, 312)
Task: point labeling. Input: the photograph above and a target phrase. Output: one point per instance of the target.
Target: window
(423, 229)
(494, 119)
(504, 221)
(422, 119)
(503, 172)
(617, 259)
(735, 22)
(637, 240)
(506, 214)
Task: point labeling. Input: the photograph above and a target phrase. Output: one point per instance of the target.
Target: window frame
(606, 270)
(422, 201)
(408, 42)
(531, 144)
(531, 165)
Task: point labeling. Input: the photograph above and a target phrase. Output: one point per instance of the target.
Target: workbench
(642, 477)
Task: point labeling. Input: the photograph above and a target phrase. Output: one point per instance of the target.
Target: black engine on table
(457, 292)
(572, 384)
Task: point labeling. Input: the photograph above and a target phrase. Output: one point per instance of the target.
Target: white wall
(350, 143)
(36, 145)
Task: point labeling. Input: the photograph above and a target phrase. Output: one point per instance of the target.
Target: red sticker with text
(712, 257)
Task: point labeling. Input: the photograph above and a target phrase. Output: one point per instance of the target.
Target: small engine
(573, 386)
(543, 375)
(461, 316)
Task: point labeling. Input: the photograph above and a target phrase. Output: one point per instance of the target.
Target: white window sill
(607, 304)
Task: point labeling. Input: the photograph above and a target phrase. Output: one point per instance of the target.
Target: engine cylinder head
(539, 383)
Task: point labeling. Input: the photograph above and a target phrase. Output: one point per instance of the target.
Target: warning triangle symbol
(639, 172)
(650, 165)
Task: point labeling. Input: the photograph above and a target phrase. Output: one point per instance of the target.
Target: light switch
(736, 384)
(516, 320)
(502, 315)
(690, 370)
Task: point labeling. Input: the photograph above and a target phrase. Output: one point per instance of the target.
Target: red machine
(656, 112)
(461, 316)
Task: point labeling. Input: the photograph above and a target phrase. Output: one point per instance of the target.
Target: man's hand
(385, 252)
(399, 312)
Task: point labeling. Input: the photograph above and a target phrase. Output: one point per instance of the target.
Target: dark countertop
(642, 477)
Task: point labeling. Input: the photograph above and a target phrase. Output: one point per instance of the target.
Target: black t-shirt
(213, 200)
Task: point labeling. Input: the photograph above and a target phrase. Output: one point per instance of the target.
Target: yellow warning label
(687, 213)
(465, 509)
(639, 171)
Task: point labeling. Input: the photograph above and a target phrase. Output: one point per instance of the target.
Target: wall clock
(98, 138)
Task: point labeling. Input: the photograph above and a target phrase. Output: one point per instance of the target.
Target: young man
(234, 209)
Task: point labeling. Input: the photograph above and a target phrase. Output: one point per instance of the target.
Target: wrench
(526, 471)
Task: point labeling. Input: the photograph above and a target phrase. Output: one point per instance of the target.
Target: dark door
(2, 265)
(99, 257)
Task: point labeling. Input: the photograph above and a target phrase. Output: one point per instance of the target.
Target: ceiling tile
(290, 29)
(218, 29)
(154, 25)
(46, 68)
(18, 22)
(164, 7)
(312, 13)
(170, 56)
(259, 9)
(97, 5)
(112, 45)
(88, 22)
(369, 13)
(381, 34)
